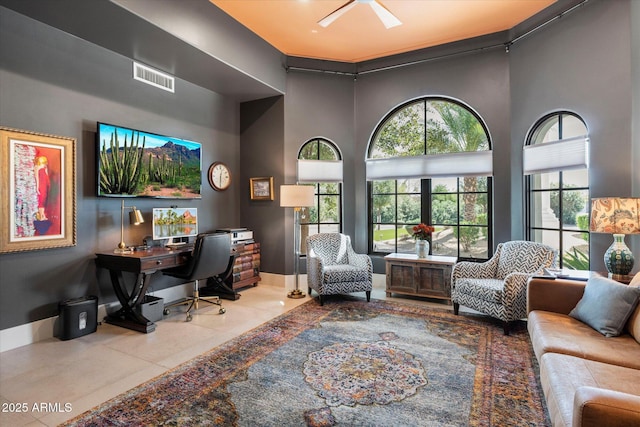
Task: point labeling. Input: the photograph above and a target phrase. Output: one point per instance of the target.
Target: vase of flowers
(421, 233)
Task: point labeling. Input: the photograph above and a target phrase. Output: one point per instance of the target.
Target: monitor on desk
(176, 225)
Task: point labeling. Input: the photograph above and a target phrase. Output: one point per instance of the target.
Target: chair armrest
(513, 297)
(314, 270)
(558, 296)
(361, 261)
(595, 407)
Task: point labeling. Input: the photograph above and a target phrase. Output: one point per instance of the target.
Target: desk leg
(127, 316)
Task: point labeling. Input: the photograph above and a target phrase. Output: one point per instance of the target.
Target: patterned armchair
(498, 287)
(333, 267)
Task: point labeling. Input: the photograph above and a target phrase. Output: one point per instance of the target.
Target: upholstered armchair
(333, 267)
(498, 287)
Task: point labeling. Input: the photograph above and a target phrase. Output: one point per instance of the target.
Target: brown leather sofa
(587, 379)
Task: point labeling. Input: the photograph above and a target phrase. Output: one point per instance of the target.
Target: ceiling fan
(387, 18)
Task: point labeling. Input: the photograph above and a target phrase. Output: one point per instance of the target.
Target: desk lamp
(296, 197)
(618, 216)
(135, 218)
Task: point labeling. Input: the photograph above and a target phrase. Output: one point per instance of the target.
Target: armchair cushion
(337, 273)
(491, 290)
(606, 305)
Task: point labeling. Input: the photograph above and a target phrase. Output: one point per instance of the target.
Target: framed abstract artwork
(37, 191)
(261, 188)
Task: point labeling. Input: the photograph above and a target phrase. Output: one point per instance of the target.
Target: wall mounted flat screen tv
(175, 224)
(134, 163)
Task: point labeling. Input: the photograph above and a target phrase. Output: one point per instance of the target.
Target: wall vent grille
(153, 77)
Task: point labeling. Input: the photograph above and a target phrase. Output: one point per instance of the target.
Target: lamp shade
(615, 215)
(135, 216)
(296, 196)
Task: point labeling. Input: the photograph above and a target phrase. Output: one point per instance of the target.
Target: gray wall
(58, 84)
(580, 63)
(262, 155)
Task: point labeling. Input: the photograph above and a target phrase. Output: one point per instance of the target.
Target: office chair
(210, 258)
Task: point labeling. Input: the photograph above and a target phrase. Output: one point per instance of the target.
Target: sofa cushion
(558, 333)
(606, 305)
(562, 375)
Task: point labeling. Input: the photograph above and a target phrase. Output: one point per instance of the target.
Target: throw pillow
(606, 305)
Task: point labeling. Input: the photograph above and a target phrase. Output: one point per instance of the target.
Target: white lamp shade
(297, 196)
(319, 170)
(468, 163)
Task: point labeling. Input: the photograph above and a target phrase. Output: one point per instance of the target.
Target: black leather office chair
(210, 258)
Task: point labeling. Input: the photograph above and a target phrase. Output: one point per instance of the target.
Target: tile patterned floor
(65, 378)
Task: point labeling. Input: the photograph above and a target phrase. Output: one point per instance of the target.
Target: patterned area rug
(347, 363)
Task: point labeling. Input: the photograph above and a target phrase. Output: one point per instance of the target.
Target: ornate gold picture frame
(261, 188)
(37, 191)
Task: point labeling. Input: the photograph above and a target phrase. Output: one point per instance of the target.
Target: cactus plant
(120, 169)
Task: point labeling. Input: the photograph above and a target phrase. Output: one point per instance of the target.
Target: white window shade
(468, 163)
(565, 154)
(319, 170)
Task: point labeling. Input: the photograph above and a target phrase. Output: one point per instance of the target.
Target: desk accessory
(135, 218)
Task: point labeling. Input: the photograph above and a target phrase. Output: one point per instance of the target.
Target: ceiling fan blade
(388, 19)
(327, 20)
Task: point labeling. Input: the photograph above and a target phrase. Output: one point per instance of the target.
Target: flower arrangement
(422, 231)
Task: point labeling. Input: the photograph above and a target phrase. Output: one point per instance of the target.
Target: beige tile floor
(70, 377)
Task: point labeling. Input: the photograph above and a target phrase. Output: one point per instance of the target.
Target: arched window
(320, 164)
(430, 161)
(555, 160)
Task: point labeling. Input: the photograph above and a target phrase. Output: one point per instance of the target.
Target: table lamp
(618, 216)
(135, 218)
(296, 197)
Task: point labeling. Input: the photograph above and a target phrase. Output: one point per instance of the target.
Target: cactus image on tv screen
(134, 163)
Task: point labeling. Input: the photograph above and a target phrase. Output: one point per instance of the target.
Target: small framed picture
(261, 188)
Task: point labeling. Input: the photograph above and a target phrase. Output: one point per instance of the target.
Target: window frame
(426, 194)
(530, 191)
(318, 194)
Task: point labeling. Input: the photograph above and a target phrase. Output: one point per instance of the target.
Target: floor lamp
(135, 218)
(296, 197)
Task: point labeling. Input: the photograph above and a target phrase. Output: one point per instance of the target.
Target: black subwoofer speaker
(78, 317)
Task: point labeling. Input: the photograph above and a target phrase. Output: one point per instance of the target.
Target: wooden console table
(425, 277)
(143, 263)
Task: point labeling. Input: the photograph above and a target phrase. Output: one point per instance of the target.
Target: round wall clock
(219, 176)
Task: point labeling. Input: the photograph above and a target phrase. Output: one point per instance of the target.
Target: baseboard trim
(44, 329)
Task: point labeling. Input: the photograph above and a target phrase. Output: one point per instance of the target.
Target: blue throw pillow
(606, 305)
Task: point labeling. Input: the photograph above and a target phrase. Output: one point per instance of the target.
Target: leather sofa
(588, 379)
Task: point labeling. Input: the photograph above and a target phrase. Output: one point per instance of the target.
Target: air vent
(153, 77)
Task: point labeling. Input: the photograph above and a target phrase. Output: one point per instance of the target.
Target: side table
(425, 277)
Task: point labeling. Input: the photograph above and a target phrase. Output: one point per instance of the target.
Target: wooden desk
(425, 277)
(143, 263)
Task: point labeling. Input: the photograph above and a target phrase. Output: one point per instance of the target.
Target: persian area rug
(348, 363)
